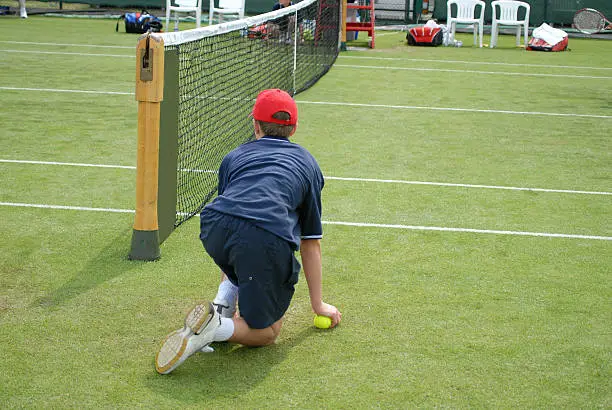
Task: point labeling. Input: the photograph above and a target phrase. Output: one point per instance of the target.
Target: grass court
(467, 236)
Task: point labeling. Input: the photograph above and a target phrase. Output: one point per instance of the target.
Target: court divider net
(196, 89)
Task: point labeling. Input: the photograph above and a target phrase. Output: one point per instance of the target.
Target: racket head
(589, 21)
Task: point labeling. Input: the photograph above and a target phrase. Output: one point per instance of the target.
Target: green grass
(51, 5)
(430, 318)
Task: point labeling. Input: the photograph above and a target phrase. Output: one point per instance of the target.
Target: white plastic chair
(226, 8)
(183, 6)
(466, 14)
(508, 16)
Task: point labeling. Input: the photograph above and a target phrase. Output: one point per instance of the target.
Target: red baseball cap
(269, 102)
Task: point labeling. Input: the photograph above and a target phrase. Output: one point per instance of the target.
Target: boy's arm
(310, 250)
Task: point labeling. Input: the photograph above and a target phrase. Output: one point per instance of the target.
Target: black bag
(140, 22)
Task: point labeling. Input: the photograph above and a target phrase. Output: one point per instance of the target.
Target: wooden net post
(343, 25)
(149, 94)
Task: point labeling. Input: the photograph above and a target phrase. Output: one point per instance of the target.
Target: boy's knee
(269, 336)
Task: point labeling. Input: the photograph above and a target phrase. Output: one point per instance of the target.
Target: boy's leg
(22, 9)
(200, 328)
(247, 336)
(227, 297)
(264, 268)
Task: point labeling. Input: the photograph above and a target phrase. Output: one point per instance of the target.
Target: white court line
(448, 184)
(67, 54)
(469, 230)
(343, 56)
(377, 67)
(418, 107)
(68, 208)
(69, 164)
(445, 70)
(356, 224)
(425, 60)
(384, 181)
(67, 45)
(59, 90)
(402, 107)
(379, 34)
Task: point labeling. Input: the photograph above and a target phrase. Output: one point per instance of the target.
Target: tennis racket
(591, 21)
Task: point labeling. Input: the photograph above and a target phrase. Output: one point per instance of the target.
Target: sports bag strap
(118, 20)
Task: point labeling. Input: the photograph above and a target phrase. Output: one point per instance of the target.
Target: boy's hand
(330, 311)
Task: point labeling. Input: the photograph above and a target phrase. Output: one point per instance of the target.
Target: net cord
(180, 37)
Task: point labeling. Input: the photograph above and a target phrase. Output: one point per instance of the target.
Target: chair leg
(493, 35)
(176, 19)
(526, 34)
(475, 36)
(480, 33)
(167, 18)
(518, 35)
(198, 19)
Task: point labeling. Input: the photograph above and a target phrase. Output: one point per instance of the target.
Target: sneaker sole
(172, 352)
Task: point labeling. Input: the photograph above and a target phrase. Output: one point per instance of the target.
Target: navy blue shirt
(274, 183)
(278, 6)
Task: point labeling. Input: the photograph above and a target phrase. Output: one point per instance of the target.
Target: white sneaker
(201, 324)
(23, 14)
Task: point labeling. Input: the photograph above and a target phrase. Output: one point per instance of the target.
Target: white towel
(549, 34)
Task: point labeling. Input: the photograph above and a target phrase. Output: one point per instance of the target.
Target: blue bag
(140, 22)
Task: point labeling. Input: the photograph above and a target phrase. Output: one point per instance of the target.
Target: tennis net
(211, 77)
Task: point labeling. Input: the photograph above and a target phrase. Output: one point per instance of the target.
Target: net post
(295, 43)
(343, 25)
(149, 94)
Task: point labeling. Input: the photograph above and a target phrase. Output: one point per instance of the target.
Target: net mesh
(220, 76)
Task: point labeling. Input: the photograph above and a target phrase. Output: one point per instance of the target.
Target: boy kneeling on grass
(268, 207)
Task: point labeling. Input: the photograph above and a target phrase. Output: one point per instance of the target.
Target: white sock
(22, 9)
(225, 330)
(227, 293)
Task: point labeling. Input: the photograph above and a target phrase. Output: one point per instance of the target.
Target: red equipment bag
(260, 31)
(537, 44)
(547, 38)
(425, 36)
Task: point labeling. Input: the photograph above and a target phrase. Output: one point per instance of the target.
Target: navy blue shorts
(261, 264)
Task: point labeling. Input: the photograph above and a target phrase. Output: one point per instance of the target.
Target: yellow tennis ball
(322, 322)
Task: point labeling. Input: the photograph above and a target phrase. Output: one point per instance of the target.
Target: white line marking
(68, 45)
(356, 224)
(416, 107)
(58, 90)
(346, 66)
(69, 208)
(70, 164)
(487, 231)
(511, 188)
(402, 107)
(67, 54)
(342, 56)
(386, 34)
(384, 181)
(446, 70)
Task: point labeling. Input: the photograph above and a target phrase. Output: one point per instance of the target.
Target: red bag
(260, 31)
(547, 38)
(537, 44)
(425, 36)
